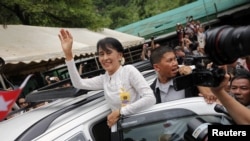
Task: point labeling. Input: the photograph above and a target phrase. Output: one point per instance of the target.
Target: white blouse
(126, 77)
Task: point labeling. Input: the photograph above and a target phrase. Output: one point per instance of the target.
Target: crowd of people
(168, 62)
(191, 37)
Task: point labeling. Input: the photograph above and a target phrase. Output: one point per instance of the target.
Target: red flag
(8, 99)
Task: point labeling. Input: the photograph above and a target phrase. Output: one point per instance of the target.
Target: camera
(224, 45)
(52, 79)
(200, 76)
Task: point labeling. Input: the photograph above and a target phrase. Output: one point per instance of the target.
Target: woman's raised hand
(66, 43)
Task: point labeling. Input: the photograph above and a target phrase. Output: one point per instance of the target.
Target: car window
(72, 134)
(167, 125)
(78, 137)
(168, 130)
(172, 129)
(100, 131)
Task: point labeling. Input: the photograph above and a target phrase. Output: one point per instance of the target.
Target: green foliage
(92, 14)
(59, 13)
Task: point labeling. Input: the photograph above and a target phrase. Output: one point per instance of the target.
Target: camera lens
(225, 44)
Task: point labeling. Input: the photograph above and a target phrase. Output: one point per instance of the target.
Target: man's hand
(144, 47)
(207, 94)
(222, 85)
(209, 97)
(185, 70)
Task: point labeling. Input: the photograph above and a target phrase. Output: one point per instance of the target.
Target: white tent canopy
(21, 43)
(25, 45)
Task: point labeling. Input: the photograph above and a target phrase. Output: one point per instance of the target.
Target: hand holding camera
(54, 79)
(185, 70)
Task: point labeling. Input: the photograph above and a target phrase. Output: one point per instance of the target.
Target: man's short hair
(241, 73)
(157, 54)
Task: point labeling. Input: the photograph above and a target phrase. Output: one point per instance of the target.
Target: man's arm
(239, 112)
(207, 93)
(144, 51)
(204, 91)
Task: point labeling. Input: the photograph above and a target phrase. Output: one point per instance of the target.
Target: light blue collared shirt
(168, 93)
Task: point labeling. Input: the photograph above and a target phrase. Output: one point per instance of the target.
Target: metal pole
(2, 82)
(96, 62)
(130, 55)
(15, 106)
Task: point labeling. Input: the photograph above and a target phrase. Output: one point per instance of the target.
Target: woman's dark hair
(110, 42)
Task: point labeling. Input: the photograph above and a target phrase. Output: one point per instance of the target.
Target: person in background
(180, 54)
(201, 41)
(154, 45)
(146, 49)
(186, 45)
(180, 31)
(125, 89)
(157, 45)
(146, 52)
(243, 62)
(52, 79)
(22, 103)
(248, 62)
(80, 69)
(240, 86)
(25, 106)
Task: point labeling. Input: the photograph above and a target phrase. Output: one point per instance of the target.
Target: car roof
(19, 123)
(191, 103)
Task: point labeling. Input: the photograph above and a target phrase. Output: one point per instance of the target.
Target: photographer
(146, 52)
(51, 80)
(165, 63)
(180, 54)
(146, 49)
(224, 45)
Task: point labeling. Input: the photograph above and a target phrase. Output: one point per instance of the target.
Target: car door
(176, 124)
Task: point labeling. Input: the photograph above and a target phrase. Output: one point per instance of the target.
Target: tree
(92, 14)
(123, 12)
(59, 13)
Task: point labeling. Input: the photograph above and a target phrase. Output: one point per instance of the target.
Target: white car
(83, 118)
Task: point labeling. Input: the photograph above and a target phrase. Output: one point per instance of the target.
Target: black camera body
(200, 76)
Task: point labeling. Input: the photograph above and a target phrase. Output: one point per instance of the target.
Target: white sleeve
(95, 83)
(142, 88)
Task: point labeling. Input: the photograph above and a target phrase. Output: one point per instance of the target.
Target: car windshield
(176, 129)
